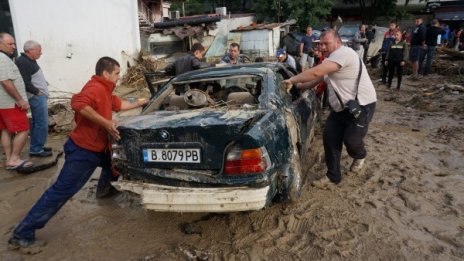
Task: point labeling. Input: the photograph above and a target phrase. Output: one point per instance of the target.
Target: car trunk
(193, 140)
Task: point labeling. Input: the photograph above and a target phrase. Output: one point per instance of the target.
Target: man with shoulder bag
(352, 98)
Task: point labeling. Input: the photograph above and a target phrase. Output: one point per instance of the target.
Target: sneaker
(42, 154)
(106, 192)
(47, 149)
(26, 246)
(322, 183)
(357, 165)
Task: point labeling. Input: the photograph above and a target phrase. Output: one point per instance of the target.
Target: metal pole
(183, 8)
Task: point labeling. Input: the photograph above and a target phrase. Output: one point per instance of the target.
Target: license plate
(172, 155)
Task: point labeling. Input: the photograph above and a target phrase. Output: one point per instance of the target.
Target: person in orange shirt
(86, 149)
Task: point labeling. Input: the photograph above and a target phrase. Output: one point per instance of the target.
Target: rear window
(231, 91)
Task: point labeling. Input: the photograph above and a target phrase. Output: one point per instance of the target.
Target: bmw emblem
(164, 135)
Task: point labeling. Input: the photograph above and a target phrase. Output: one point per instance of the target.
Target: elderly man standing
(37, 93)
(360, 40)
(348, 80)
(13, 106)
(233, 56)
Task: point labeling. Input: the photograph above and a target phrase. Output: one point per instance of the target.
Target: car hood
(201, 117)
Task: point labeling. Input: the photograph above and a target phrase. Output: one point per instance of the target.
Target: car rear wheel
(292, 180)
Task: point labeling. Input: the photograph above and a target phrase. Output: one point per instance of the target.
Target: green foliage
(306, 12)
(371, 9)
(197, 7)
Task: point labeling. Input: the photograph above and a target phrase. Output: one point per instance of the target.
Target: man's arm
(10, 88)
(170, 69)
(309, 85)
(127, 105)
(109, 125)
(358, 39)
(312, 74)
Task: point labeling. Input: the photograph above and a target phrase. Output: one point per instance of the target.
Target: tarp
(376, 44)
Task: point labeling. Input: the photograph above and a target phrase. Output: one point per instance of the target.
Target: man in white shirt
(14, 125)
(347, 78)
(284, 57)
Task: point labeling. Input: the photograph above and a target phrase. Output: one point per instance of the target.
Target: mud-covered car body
(217, 140)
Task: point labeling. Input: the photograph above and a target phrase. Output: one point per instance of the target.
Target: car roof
(250, 68)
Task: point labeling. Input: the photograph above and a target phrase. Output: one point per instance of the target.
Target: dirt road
(408, 205)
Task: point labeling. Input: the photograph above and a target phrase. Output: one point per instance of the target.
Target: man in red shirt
(86, 149)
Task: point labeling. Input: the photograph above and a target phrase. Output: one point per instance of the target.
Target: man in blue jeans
(431, 36)
(417, 50)
(37, 94)
(86, 149)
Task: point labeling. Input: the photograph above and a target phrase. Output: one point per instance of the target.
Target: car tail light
(239, 161)
(117, 152)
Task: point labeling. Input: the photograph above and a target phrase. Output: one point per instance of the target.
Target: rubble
(134, 77)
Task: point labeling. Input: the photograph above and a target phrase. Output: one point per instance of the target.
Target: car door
(300, 105)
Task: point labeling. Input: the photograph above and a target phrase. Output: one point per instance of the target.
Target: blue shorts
(415, 53)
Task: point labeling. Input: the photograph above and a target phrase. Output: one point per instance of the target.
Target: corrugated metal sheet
(262, 26)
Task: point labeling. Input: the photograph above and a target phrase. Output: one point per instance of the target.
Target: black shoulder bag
(352, 106)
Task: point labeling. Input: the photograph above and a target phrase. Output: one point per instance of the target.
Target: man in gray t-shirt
(13, 106)
(348, 80)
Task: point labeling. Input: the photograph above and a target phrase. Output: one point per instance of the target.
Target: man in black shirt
(188, 62)
(431, 44)
(417, 47)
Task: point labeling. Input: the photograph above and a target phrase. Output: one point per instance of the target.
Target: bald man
(14, 124)
(347, 79)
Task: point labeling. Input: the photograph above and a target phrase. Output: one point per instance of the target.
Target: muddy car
(220, 139)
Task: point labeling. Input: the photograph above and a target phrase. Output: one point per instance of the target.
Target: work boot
(357, 165)
(106, 192)
(324, 182)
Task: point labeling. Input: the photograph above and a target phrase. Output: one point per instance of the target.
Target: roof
(255, 26)
(193, 20)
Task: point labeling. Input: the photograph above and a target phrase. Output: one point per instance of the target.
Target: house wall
(257, 43)
(274, 46)
(223, 37)
(75, 34)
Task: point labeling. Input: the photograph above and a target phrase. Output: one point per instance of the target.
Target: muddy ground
(407, 205)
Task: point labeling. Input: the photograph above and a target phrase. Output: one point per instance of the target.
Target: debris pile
(449, 62)
(134, 76)
(61, 118)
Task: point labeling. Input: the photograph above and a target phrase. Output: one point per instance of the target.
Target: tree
(371, 9)
(306, 12)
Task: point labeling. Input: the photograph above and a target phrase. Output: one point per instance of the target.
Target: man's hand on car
(287, 85)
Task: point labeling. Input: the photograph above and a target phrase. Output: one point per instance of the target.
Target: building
(74, 35)
(451, 12)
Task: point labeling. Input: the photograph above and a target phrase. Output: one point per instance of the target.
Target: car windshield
(233, 91)
(348, 31)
